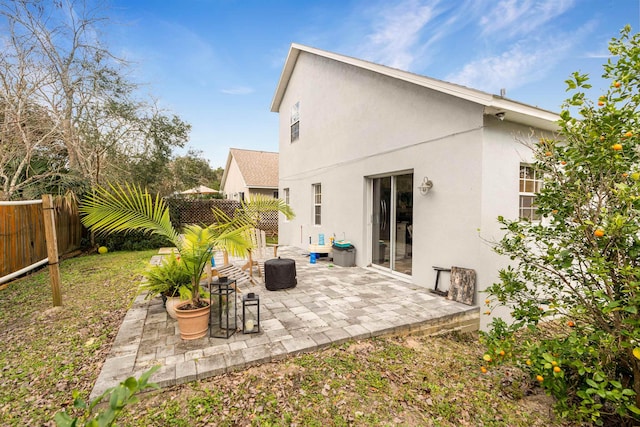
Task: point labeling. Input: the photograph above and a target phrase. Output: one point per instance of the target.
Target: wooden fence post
(52, 248)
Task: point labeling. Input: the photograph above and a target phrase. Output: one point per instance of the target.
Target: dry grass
(423, 381)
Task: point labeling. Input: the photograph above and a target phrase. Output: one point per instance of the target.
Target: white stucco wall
(235, 182)
(356, 124)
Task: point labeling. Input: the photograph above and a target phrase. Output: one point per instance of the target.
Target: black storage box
(280, 274)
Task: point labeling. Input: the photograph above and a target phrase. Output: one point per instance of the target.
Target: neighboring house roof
(493, 104)
(259, 169)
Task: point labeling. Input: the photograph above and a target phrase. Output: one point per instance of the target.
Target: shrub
(118, 397)
(580, 265)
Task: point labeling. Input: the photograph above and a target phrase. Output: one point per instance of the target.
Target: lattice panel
(185, 212)
(269, 223)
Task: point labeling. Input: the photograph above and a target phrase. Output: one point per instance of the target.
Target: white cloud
(538, 47)
(240, 90)
(516, 17)
(521, 64)
(396, 32)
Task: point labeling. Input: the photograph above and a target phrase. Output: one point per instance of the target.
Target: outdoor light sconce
(250, 313)
(425, 186)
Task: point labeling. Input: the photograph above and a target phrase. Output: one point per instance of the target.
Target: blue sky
(216, 63)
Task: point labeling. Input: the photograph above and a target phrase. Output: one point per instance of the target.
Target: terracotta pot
(170, 305)
(193, 324)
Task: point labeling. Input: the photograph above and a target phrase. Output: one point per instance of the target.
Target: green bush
(132, 241)
(579, 267)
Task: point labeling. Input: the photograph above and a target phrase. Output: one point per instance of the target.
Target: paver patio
(330, 305)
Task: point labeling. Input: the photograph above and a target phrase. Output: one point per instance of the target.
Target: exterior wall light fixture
(426, 186)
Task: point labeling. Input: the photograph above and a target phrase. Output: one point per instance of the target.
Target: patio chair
(260, 252)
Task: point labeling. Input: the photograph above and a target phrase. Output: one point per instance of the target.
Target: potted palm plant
(126, 208)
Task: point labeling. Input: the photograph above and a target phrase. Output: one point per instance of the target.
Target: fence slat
(22, 233)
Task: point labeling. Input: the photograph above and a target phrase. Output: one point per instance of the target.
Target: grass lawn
(47, 353)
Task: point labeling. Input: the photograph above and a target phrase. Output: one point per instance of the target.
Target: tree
(189, 171)
(580, 265)
(158, 135)
(27, 130)
(57, 75)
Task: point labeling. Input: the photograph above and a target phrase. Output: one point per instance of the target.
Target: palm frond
(118, 208)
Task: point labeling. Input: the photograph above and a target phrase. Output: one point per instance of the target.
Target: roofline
(493, 103)
(262, 187)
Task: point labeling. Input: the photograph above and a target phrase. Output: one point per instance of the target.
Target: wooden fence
(22, 234)
(183, 211)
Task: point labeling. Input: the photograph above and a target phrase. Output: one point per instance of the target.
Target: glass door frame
(371, 211)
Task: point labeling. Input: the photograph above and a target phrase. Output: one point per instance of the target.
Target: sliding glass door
(392, 222)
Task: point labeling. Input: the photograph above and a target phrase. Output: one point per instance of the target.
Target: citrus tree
(579, 267)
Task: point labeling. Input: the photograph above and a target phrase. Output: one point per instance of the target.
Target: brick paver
(330, 305)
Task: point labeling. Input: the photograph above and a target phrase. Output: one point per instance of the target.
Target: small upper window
(530, 185)
(295, 121)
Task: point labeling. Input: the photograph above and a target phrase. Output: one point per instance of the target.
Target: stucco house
(413, 171)
(250, 172)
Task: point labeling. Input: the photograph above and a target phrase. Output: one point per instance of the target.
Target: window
(241, 196)
(275, 194)
(317, 204)
(295, 122)
(530, 184)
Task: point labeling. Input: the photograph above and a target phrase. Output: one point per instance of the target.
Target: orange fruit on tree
(502, 353)
(628, 134)
(571, 323)
(540, 378)
(557, 369)
(554, 363)
(483, 369)
(528, 362)
(600, 103)
(487, 301)
(599, 232)
(488, 312)
(548, 153)
(617, 84)
(617, 147)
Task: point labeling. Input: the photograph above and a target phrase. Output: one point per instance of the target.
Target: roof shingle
(258, 168)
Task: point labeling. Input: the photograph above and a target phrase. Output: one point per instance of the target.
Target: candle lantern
(223, 308)
(250, 313)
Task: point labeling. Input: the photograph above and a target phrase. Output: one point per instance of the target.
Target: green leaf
(634, 409)
(131, 383)
(63, 419)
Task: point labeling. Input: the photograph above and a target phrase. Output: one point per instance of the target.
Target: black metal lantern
(223, 309)
(250, 313)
